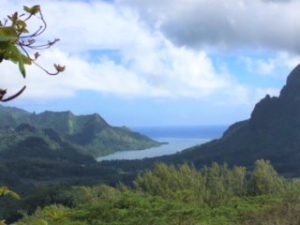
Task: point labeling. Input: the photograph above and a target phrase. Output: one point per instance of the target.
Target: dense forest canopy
(176, 195)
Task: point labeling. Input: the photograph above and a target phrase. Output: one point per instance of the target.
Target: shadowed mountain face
(89, 134)
(272, 132)
(47, 149)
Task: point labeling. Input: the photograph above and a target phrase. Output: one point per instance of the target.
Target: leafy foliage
(180, 196)
(5, 191)
(213, 185)
(17, 42)
(265, 179)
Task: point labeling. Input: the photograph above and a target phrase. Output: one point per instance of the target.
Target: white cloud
(259, 66)
(273, 65)
(184, 74)
(150, 65)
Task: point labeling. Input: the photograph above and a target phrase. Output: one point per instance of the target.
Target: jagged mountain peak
(97, 118)
(291, 90)
(294, 77)
(272, 133)
(279, 112)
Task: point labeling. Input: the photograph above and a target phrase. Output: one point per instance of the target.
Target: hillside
(32, 157)
(272, 133)
(90, 134)
(174, 196)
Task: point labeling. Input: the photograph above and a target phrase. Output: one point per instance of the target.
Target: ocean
(178, 139)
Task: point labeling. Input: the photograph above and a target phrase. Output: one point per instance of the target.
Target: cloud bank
(151, 49)
(227, 24)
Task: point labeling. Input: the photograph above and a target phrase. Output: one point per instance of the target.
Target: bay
(173, 146)
(177, 138)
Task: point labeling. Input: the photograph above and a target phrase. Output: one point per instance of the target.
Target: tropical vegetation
(175, 195)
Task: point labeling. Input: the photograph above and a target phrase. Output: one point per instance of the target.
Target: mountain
(58, 148)
(28, 142)
(271, 133)
(90, 134)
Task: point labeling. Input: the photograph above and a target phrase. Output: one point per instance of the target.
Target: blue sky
(171, 62)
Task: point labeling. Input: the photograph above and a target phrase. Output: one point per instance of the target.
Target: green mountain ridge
(90, 134)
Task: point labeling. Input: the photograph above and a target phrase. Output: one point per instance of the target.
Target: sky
(160, 63)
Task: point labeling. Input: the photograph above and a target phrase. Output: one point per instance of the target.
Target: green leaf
(21, 23)
(33, 10)
(22, 66)
(22, 26)
(7, 38)
(13, 54)
(4, 45)
(26, 60)
(26, 9)
(8, 34)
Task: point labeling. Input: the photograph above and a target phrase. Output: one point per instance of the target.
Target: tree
(20, 45)
(265, 179)
(4, 191)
